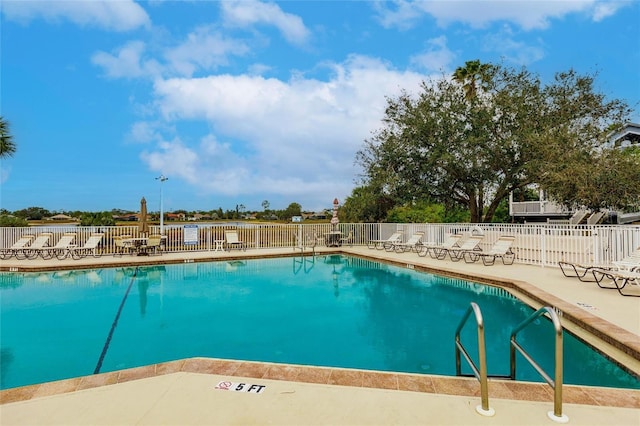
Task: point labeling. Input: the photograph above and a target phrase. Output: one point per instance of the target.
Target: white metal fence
(538, 244)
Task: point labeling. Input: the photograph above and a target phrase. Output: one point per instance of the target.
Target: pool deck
(184, 392)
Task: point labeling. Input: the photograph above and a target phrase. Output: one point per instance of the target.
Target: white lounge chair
(17, 249)
(385, 244)
(91, 246)
(471, 244)
(232, 241)
(501, 249)
(619, 279)
(439, 251)
(582, 270)
(35, 249)
(62, 249)
(414, 243)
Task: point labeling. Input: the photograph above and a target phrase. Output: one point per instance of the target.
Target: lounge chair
(91, 246)
(414, 243)
(619, 279)
(41, 241)
(471, 244)
(582, 270)
(630, 262)
(232, 241)
(17, 249)
(62, 249)
(385, 244)
(439, 251)
(501, 249)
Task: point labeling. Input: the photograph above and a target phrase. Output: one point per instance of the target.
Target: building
(544, 210)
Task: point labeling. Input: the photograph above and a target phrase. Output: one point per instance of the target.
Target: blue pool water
(335, 311)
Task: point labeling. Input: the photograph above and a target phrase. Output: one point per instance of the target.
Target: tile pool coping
(618, 338)
(430, 384)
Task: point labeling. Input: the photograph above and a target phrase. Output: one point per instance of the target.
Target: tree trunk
(476, 215)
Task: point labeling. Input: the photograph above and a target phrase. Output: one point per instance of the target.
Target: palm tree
(7, 147)
(469, 76)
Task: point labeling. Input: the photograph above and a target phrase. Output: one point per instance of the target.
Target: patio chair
(308, 241)
(384, 244)
(414, 243)
(41, 241)
(347, 240)
(471, 244)
(619, 279)
(17, 249)
(91, 246)
(501, 249)
(439, 251)
(62, 248)
(232, 241)
(582, 270)
(123, 245)
(153, 244)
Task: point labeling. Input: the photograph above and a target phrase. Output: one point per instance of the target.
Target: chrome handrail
(481, 373)
(556, 384)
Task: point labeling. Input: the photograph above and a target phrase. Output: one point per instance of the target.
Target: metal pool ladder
(481, 372)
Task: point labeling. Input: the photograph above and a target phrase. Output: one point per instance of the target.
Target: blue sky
(240, 102)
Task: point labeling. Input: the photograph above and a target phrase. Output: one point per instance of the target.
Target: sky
(240, 102)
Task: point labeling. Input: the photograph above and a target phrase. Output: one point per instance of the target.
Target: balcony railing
(534, 208)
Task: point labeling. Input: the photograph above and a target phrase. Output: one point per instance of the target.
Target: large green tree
(366, 204)
(7, 146)
(293, 209)
(470, 147)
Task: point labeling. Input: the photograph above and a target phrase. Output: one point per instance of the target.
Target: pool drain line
(114, 324)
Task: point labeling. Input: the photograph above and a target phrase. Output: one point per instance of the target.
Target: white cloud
(175, 159)
(247, 13)
(259, 69)
(203, 49)
(144, 132)
(512, 50)
(437, 56)
(121, 15)
(5, 171)
(603, 10)
(480, 13)
(127, 62)
(296, 137)
(399, 14)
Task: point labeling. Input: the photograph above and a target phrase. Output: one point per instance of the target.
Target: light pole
(161, 178)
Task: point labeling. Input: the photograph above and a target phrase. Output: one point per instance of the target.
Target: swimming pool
(333, 310)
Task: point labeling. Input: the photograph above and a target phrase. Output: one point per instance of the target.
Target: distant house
(319, 215)
(199, 216)
(628, 136)
(175, 216)
(296, 219)
(60, 217)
